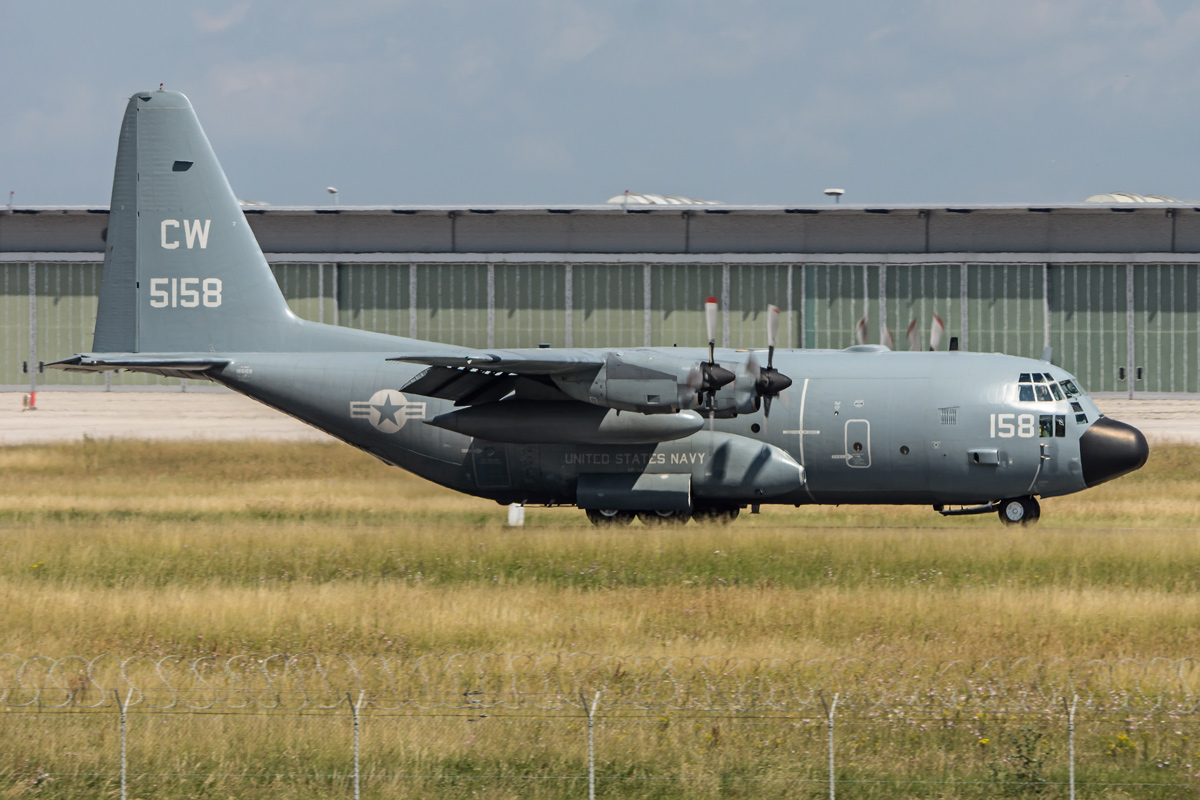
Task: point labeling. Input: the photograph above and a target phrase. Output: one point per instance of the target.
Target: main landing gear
(612, 518)
(609, 518)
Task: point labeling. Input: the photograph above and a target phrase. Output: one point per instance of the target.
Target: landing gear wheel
(1019, 511)
(715, 516)
(608, 517)
(653, 518)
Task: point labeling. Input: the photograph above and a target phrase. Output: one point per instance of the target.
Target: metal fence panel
(451, 304)
(609, 305)
(836, 297)
(375, 297)
(1165, 315)
(677, 296)
(1088, 327)
(751, 288)
(1005, 308)
(530, 305)
(918, 292)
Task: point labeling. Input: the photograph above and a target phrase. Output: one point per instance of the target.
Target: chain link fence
(576, 725)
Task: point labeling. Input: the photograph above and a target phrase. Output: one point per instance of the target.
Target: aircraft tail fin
(182, 269)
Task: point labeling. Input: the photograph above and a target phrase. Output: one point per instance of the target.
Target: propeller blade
(687, 393)
(772, 333)
(935, 332)
(710, 322)
(914, 336)
(860, 331)
(752, 367)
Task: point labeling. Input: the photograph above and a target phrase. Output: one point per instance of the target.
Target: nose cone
(1110, 449)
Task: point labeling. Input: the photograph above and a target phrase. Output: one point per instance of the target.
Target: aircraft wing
(542, 361)
(474, 378)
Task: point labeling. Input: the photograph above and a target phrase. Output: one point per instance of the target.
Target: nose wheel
(1019, 511)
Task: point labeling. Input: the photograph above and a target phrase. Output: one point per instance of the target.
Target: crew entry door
(858, 443)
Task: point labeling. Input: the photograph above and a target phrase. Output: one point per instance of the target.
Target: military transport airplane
(665, 434)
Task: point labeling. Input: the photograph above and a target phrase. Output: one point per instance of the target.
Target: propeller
(935, 332)
(768, 381)
(914, 336)
(860, 331)
(936, 329)
(712, 375)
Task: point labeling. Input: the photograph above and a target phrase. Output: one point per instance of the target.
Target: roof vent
(634, 199)
(1129, 197)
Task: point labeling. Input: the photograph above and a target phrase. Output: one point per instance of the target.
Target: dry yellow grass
(829, 622)
(198, 548)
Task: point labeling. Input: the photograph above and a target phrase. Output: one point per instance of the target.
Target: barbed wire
(561, 681)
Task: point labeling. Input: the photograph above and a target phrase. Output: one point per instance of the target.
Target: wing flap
(463, 386)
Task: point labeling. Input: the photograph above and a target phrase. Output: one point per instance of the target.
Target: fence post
(33, 364)
(355, 708)
(590, 710)
(830, 710)
(1071, 744)
(124, 731)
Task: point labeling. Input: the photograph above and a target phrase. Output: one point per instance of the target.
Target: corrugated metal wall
(1090, 313)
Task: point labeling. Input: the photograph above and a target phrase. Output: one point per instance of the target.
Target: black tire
(715, 516)
(1033, 510)
(654, 518)
(1019, 511)
(608, 518)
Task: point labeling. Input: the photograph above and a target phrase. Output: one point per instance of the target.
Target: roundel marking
(388, 410)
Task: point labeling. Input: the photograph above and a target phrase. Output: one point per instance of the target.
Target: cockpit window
(1052, 426)
(1041, 387)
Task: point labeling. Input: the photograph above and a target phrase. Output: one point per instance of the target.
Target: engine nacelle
(653, 382)
(635, 380)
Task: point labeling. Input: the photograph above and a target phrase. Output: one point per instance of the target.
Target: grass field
(223, 549)
(227, 548)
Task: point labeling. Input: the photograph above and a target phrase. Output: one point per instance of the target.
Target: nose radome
(1110, 449)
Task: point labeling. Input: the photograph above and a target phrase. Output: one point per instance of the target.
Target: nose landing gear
(1019, 511)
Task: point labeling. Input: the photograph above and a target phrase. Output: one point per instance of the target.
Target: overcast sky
(563, 102)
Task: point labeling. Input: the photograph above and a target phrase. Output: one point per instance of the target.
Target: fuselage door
(858, 443)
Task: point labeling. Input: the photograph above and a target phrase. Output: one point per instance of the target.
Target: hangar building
(1113, 288)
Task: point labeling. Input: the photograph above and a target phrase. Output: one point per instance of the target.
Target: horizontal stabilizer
(165, 365)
